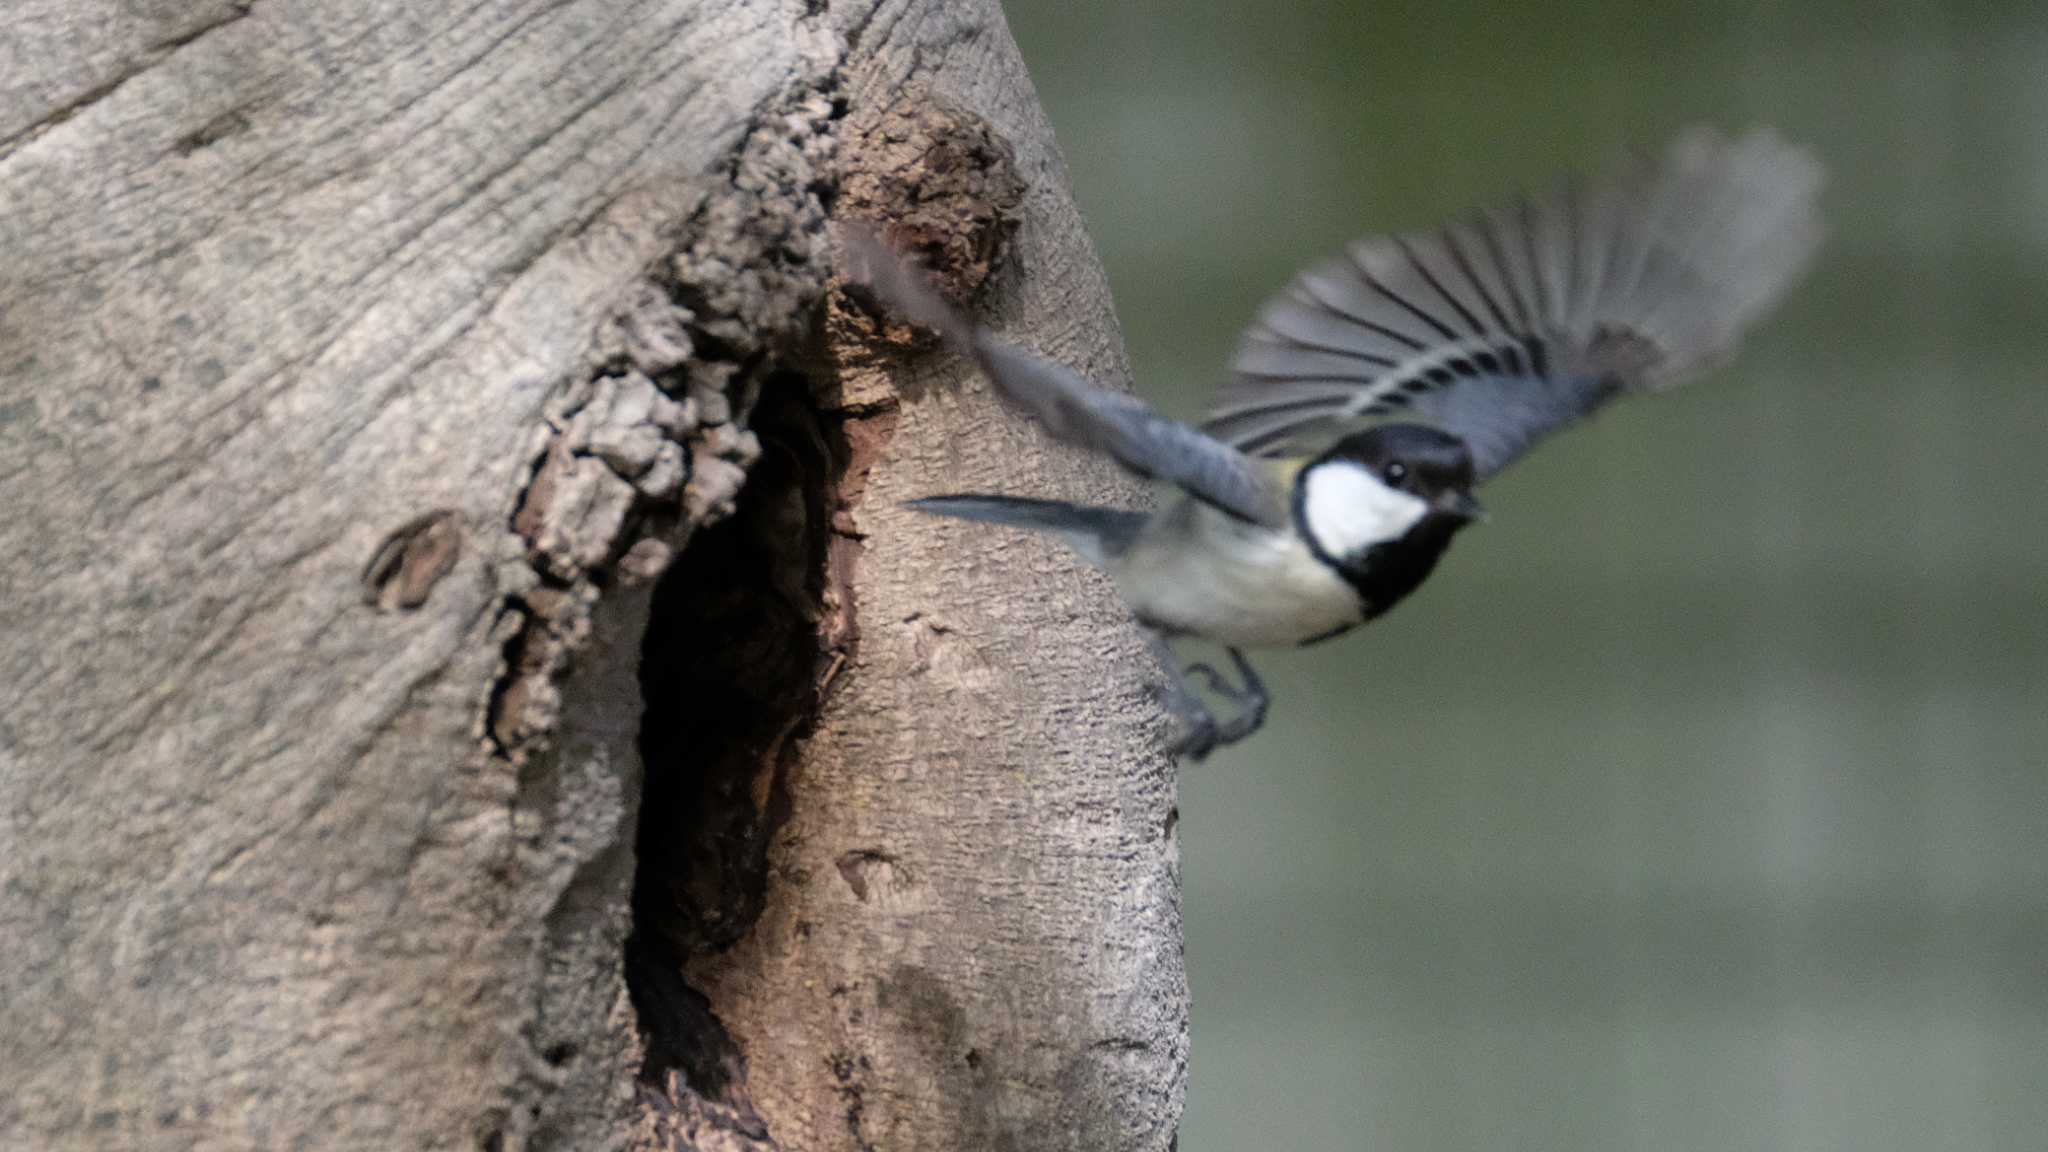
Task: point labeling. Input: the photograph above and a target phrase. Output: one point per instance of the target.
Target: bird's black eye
(1396, 472)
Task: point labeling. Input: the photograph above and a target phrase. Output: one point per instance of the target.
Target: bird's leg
(1198, 725)
(1251, 698)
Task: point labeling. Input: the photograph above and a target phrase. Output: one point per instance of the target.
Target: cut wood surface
(377, 382)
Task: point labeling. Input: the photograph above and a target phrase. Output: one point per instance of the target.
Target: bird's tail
(1098, 534)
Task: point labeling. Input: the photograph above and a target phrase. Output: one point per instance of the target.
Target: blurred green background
(1700, 801)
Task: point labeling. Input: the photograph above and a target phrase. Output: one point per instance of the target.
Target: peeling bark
(470, 683)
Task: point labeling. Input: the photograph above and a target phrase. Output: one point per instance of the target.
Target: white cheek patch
(1345, 509)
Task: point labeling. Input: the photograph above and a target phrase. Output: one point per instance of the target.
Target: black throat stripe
(1384, 574)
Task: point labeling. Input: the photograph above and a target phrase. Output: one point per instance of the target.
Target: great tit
(1376, 390)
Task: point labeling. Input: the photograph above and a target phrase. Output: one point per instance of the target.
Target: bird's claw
(1198, 728)
(1204, 734)
(1201, 733)
(1244, 723)
(1198, 737)
(1214, 681)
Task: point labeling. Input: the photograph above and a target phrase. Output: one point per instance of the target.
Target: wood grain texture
(298, 294)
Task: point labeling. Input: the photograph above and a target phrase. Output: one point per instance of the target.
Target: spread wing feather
(1068, 407)
(1511, 323)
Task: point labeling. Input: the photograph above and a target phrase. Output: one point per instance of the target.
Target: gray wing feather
(1068, 407)
(1514, 322)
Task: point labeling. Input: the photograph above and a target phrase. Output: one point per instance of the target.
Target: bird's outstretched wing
(1510, 324)
(1070, 408)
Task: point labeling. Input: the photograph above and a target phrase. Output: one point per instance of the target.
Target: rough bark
(377, 382)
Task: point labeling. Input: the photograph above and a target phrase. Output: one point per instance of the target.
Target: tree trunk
(468, 681)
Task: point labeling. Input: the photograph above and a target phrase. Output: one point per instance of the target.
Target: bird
(1371, 395)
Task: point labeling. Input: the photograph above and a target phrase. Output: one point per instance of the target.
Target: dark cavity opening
(730, 672)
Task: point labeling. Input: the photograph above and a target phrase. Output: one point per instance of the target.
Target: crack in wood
(702, 453)
(149, 57)
(757, 623)
(643, 456)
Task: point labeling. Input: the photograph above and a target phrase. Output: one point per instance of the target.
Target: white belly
(1198, 571)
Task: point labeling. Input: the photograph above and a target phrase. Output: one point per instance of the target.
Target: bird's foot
(1250, 698)
(1241, 725)
(1199, 736)
(1201, 733)
(1198, 728)
(1216, 683)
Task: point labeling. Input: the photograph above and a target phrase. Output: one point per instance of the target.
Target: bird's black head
(1428, 463)
(1385, 484)
(1382, 505)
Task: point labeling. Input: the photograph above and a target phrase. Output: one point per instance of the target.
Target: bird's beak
(1460, 504)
